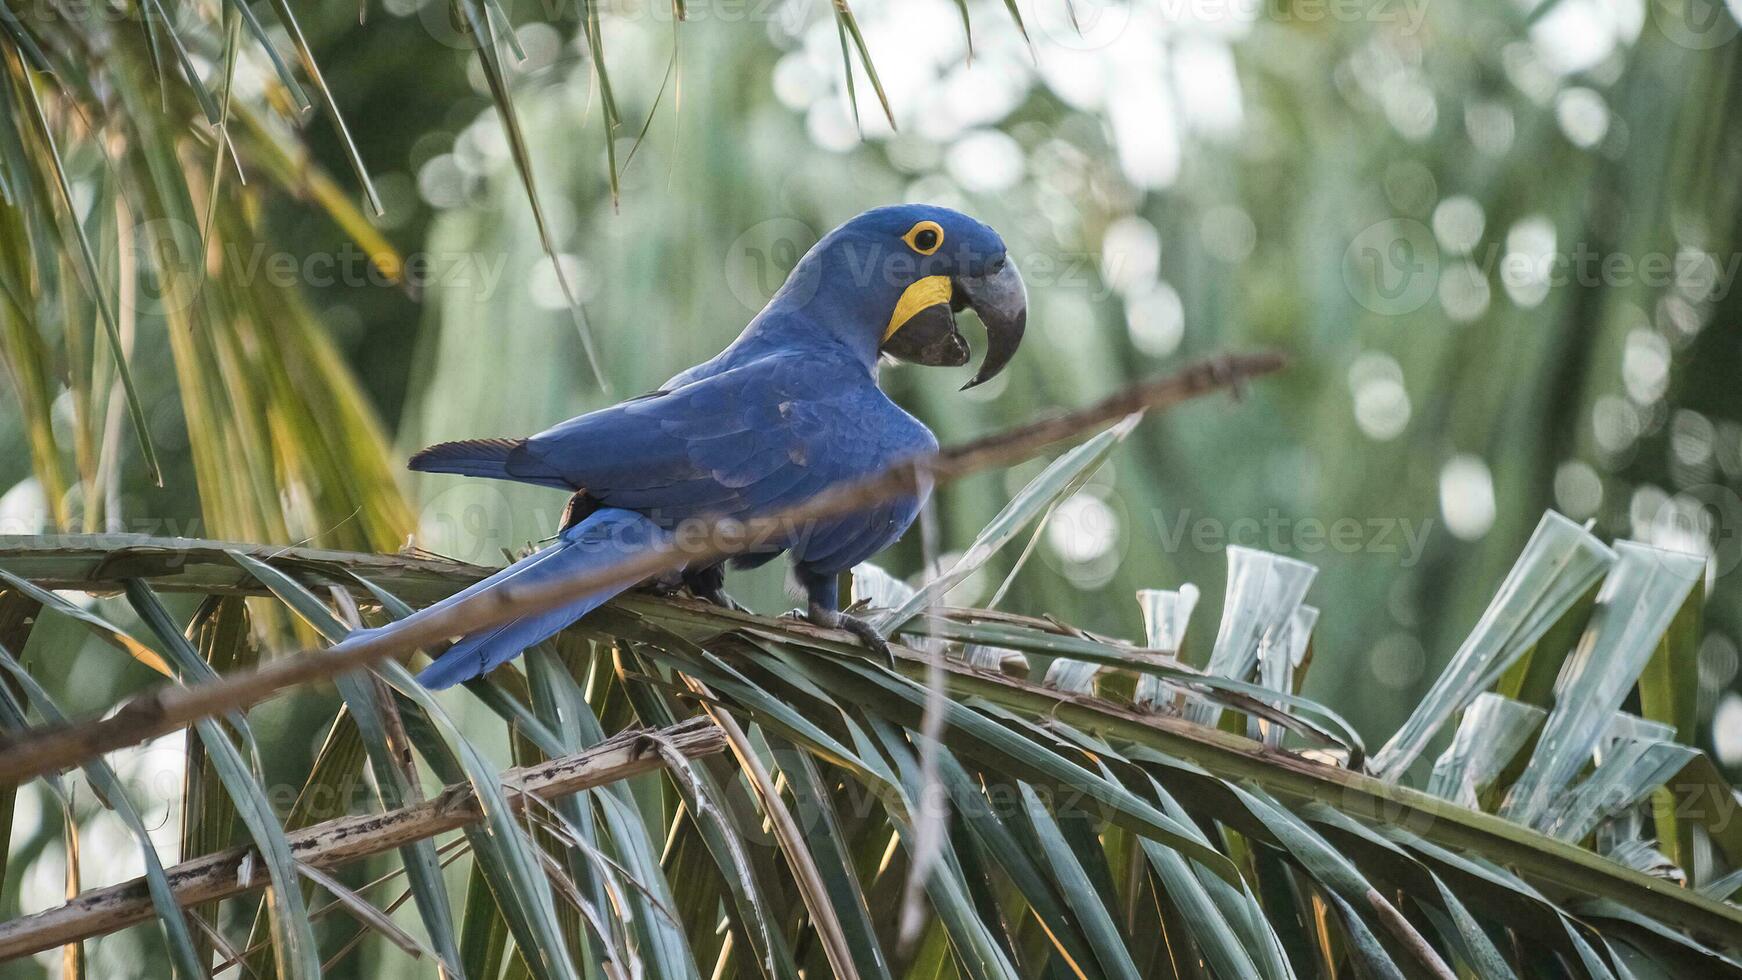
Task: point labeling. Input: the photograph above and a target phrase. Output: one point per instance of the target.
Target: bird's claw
(709, 585)
(862, 630)
(869, 636)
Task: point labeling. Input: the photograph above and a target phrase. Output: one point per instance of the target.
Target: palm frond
(1128, 837)
(260, 390)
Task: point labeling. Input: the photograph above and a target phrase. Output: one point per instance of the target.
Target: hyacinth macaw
(788, 409)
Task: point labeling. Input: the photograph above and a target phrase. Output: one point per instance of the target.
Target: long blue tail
(605, 537)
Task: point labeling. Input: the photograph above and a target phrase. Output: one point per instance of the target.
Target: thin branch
(168, 709)
(346, 839)
(165, 709)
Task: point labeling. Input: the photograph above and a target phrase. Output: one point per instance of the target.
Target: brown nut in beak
(922, 330)
(929, 336)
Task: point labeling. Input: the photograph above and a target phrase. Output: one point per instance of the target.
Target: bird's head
(895, 277)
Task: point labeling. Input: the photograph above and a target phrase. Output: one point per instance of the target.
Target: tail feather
(467, 457)
(605, 537)
(495, 459)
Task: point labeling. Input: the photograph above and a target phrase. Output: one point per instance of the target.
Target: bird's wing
(624, 446)
(747, 441)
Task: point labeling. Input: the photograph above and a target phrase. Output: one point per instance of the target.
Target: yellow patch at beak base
(925, 293)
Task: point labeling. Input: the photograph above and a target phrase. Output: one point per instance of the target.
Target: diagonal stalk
(163, 710)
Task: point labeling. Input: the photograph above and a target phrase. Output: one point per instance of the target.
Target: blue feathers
(748, 441)
(605, 537)
(496, 459)
(790, 409)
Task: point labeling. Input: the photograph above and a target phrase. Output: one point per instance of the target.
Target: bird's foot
(708, 584)
(864, 631)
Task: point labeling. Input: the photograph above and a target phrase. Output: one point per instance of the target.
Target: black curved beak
(928, 334)
(1001, 300)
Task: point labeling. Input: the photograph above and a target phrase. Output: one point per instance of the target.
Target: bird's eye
(924, 238)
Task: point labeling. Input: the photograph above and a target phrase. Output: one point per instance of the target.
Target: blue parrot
(789, 409)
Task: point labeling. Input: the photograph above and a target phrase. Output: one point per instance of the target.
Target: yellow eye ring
(925, 237)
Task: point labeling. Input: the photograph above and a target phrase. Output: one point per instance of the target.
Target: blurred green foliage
(1380, 191)
(1499, 243)
(1498, 247)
